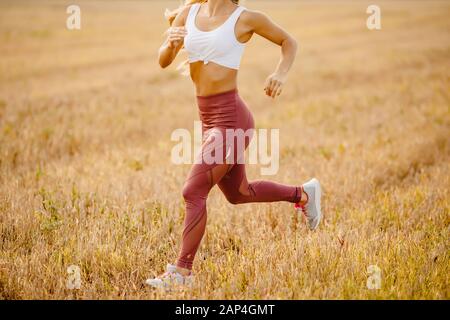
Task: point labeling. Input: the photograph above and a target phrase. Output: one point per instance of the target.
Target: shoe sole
(168, 287)
(318, 194)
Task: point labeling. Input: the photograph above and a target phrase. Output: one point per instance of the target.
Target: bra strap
(235, 15)
(193, 10)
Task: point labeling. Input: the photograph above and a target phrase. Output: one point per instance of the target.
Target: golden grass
(86, 177)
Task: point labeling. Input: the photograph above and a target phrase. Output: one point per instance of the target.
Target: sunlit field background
(86, 177)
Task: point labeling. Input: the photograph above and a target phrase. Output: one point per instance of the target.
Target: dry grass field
(86, 177)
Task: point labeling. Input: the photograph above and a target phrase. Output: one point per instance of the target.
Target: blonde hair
(172, 14)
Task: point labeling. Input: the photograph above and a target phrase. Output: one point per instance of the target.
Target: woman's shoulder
(185, 10)
(252, 17)
(179, 16)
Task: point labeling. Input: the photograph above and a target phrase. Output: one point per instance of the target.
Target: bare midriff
(212, 78)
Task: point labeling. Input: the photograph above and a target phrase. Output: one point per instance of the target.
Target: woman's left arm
(262, 25)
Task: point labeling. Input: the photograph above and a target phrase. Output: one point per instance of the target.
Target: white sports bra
(219, 45)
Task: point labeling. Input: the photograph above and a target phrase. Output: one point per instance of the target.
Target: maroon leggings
(222, 114)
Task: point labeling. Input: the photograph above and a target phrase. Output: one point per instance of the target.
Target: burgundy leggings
(220, 114)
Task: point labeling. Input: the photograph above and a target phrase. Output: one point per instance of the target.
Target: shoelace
(166, 277)
(170, 276)
(166, 274)
(302, 205)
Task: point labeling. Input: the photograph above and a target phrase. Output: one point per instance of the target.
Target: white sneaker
(311, 207)
(170, 279)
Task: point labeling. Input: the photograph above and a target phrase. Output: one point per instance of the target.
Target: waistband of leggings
(217, 96)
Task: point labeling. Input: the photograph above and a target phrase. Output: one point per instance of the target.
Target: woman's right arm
(175, 39)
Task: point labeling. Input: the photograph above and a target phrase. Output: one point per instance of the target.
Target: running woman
(214, 33)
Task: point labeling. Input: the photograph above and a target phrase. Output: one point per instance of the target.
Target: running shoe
(170, 279)
(311, 207)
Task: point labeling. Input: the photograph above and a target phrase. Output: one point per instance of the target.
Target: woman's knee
(188, 191)
(236, 197)
(194, 190)
(233, 199)
(241, 195)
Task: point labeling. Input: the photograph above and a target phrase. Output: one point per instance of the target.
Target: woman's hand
(175, 39)
(274, 84)
(262, 25)
(176, 36)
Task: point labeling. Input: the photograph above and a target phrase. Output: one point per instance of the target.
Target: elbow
(163, 65)
(163, 60)
(290, 44)
(293, 43)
